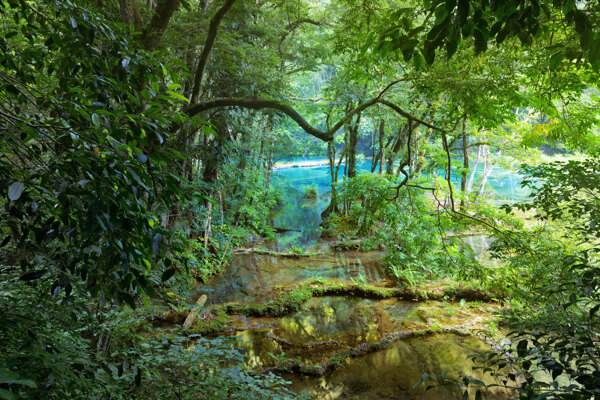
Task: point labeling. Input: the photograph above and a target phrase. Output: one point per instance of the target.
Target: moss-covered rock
(290, 299)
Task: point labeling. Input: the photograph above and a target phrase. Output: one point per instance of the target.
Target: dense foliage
(553, 353)
(86, 166)
(140, 142)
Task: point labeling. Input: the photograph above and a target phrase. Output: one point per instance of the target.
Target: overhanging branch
(259, 104)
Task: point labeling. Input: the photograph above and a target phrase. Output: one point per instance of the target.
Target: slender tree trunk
(213, 29)
(373, 158)
(159, 22)
(208, 223)
(269, 168)
(221, 208)
(472, 177)
(130, 14)
(331, 154)
(420, 163)
(352, 144)
(489, 167)
(381, 146)
(465, 148)
(333, 204)
(212, 162)
(398, 145)
(379, 158)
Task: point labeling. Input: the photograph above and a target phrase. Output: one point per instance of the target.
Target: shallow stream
(344, 347)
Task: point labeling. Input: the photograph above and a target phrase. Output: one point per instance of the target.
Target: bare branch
(448, 168)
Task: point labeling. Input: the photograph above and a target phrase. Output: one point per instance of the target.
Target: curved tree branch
(213, 28)
(407, 115)
(259, 104)
(289, 28)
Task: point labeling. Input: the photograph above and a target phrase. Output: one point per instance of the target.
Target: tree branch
(259, 104)
(215, 22)
(289, 28)
(407, 115)
(159, 22)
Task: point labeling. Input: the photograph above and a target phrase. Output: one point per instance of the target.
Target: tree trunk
(352, 144)
(489, 166)
(398, 145)
(472, 177)
(212, 161)
(159, 22)
(373, 158)
(465, 148)
(379, 158)
(130, 14)
(333, 206)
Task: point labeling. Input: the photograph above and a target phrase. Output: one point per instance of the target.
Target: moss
(295, 252)
(286, 303)
(214, 320)
(344, 245)
(290, 299)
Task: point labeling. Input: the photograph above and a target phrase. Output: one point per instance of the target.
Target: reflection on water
(325, 326)
(253, 277)
(348, 321)
(391, 373)
(301, 215)
(304, 215)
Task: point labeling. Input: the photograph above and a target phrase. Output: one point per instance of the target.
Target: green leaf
(418, 60)
(127, 298)
(451, 47)
(441, 12)
(168, 274)
(555, 60)
(30, 276)
(5, 241)
(581, 22)
(15, 190)
(429, 53)
(6, 395)
(463, 12)
(96, 120)
(12, 378)
(502, 35)
(480, 41)
(177, 96)
(586, 39)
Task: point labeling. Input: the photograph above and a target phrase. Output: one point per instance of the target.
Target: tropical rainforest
(267, 199)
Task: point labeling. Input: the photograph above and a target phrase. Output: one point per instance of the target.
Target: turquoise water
(304, 215)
